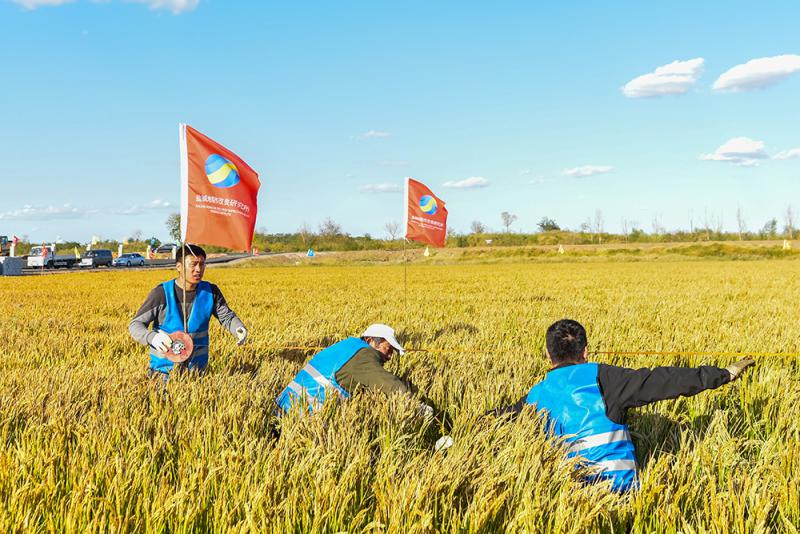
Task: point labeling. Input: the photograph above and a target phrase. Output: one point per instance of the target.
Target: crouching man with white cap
(346, 365)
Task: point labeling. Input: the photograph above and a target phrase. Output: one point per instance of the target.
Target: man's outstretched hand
(241, 335)
(738, 368)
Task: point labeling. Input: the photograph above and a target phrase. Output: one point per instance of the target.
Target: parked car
(129, 260)
(97, 258)
(166, 248)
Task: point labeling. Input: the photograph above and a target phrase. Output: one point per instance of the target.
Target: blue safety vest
(198, 326)
(318, 376)
(574, 409)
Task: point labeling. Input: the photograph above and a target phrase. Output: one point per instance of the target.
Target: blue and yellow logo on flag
(221, 172)
(428, 204)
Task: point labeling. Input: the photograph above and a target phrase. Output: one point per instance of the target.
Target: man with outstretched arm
(164, 308)
(587, 403)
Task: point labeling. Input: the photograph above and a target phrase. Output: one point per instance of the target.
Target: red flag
(425, 215)
(218, 193)
(14, 240)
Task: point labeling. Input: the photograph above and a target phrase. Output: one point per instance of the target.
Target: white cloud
(379, 188)
(739, 150)
(587, 170)
(33, 4)
(30, 212)
(788, 154)
(672, 79)
(136, 209)
(758, 73)
(374, 134)
(175, 6)
(468, 183)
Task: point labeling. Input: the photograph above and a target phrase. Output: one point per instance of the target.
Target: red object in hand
(181, 348)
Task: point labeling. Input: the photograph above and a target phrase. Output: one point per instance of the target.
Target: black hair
(566, 340)
(188, 250)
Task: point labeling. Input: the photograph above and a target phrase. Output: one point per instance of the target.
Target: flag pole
(183, 286)
(405, 278)
(405, 242)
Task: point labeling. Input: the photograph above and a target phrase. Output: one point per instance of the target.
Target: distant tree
(508, 220)
(330, 228)
(393, 229)
(136, 235)
(625, 229)
(305, 233)
(548, 225)
(788, 227)
(770, 228)
(598, 225)
(636, 233)
(585, 227)
(477, 227)
(740, 223)
(174, 226)
(657, 228)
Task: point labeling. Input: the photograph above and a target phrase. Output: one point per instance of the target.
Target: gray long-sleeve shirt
(154, 311)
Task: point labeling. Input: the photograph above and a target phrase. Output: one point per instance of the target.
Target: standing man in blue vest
(164, 307)
(346, 365)
(587, 403)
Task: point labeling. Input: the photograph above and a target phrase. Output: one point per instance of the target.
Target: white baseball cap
(386, 332)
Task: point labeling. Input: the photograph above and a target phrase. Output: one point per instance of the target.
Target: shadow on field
(419, 339)
(654, 434)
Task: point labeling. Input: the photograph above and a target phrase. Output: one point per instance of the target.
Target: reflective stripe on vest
(599, 439)
(570, 400)
(615, 465)
(199, 317)
(321, 380)
(318, 376)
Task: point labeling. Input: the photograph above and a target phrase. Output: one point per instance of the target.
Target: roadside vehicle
(129, 260)
(165, 248)
(44, 257)
(97, 258)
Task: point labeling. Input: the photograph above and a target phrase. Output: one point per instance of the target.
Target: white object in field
(787, 245)
(53, 249)
(488, 241)
(174, 252)
(427, 252)
(13, 249)
(426, 412)
(443, 443)
(147, 252)
(119, 250)
(560, 249)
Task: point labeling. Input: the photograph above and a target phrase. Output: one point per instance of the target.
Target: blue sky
(544, 109)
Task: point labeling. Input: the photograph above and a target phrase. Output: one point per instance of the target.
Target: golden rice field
(89, 444)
